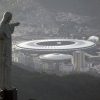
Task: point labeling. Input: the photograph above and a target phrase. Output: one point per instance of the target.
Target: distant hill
(82, 7)
(41, 17)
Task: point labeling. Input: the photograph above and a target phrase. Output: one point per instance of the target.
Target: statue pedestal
(8, 94)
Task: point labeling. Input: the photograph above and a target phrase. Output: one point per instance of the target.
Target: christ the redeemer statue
(6, 30)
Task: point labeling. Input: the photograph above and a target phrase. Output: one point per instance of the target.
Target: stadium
(55, 45)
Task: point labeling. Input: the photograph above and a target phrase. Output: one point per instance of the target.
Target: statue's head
(7, 17)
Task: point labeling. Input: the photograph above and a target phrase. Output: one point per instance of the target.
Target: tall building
(79, 60)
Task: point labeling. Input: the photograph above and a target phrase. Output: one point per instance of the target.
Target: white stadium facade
(56, 45)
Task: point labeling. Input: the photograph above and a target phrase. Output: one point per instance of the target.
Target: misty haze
(56, 49)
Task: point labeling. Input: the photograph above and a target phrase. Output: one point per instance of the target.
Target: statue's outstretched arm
(12, 26)
(15, 24)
